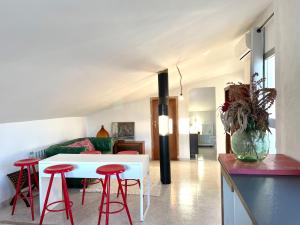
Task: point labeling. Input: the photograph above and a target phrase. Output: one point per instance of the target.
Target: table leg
(142, 200)
(148, 188)
(148, 194)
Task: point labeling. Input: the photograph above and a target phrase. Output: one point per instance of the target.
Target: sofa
(105, 145)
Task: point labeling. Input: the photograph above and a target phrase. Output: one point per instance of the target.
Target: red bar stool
(28, 163)
(108, 171)
(85, 182)
(125, 182)
(52, 170)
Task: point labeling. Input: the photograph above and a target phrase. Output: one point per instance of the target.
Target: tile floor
(192, 198)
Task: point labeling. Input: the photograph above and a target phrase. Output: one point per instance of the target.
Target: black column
(163, 93)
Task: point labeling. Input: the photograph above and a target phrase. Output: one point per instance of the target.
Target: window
(269, 68)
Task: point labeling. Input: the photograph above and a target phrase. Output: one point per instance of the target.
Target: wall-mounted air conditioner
(252, 42)
(243, 47)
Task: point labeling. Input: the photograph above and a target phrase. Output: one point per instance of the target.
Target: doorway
(173, 135)
(202, 117)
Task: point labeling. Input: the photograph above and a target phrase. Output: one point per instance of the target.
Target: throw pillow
(84, 143)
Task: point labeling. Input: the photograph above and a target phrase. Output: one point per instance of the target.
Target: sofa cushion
(84, 143)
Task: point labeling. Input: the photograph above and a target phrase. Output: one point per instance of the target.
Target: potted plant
(246, 119)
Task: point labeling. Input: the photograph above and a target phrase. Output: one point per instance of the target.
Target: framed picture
(123, 130)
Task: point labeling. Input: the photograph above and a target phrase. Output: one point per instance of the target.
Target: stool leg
(36, 180)
(46, 199)
(101, 182)
(30, 193)
(126, 188)
(139, 183)
(118, 192)
(102, 199)
(124, 200)
(107, 201)
(67, 199)
(17, 190)
(64, 198)
(83, 190)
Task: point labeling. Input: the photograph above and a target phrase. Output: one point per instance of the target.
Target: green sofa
(105, 145)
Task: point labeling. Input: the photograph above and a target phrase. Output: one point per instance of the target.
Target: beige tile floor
(192, 198)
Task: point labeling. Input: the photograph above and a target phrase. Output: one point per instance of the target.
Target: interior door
(173, 136)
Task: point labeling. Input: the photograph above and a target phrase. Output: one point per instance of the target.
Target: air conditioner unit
(243, 47)
(252, 42)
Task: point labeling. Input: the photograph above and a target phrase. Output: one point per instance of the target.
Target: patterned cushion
(84, 143)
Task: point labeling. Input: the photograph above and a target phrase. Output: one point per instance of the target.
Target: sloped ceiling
(69, 57)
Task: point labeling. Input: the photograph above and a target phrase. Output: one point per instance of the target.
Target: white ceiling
(70, 57)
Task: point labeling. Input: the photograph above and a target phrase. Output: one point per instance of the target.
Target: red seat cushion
(26, 162)
(84, 143)
(90, 152)
(62, 168)
(110, 169)
(128, 152)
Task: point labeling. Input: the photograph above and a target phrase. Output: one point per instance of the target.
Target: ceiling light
(181, 98)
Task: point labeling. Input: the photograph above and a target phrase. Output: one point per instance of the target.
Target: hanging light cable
(180, 82)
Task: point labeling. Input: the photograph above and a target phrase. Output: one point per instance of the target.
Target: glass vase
(250, 146)
(102, 132)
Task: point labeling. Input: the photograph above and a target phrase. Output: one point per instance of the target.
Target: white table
(137, 167)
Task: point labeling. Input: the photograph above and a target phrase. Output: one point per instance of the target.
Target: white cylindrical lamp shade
(163, 125)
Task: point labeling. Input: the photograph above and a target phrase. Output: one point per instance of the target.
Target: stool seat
(91, 152)
(110, 169)
(128, 152)
(62, 168)
(26, 162)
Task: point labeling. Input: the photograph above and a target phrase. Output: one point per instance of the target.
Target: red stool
(125, 182)
(58, 169)
(85, 182)
(108, 171)
(26, 163)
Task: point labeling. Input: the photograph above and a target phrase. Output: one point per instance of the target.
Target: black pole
(163, 93)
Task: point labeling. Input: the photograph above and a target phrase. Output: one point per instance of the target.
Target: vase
(250, 146)
(102, 132)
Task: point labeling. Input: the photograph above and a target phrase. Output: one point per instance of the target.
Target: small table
(137, 167)
(260, 193)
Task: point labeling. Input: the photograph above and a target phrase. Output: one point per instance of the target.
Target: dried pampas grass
(248, 108)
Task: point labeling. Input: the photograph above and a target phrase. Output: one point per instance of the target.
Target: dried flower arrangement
(248, 111)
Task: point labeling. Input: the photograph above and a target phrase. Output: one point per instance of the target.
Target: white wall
(287, 22)
(139, 112)
(18, 139)
(202, 99)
